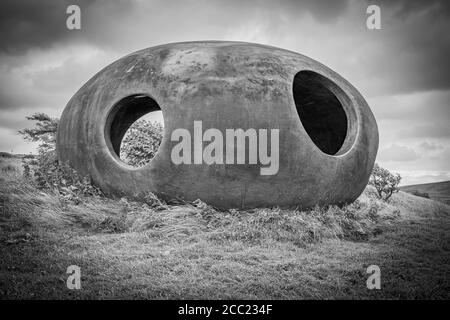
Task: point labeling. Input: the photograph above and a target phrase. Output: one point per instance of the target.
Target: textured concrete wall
(224, 85)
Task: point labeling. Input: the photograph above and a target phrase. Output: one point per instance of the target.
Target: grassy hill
(12, 163)
(160, 251)
(439, 191)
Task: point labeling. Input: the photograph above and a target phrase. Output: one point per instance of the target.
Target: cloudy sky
(402, 70)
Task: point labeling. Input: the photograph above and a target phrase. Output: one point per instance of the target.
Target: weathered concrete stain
(224, 85)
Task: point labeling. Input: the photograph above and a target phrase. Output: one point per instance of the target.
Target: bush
(141, 142)
(384, 182)
(421, 194)
(45, 171)
(139, 146)
(43, 132)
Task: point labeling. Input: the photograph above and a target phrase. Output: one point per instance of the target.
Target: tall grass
(356, 221)
(152, 249)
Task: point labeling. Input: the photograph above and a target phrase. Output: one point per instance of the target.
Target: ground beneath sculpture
(128, 250)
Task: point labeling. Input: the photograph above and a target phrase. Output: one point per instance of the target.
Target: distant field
(439, 191)
(10, 163)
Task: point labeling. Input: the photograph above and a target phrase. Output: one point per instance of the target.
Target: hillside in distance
(439, 191)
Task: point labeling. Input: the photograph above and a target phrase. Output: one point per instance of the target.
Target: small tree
(44, 169)
(46, 162)
(44, 131)
(139, 146)
(141, 142)
(384, 182)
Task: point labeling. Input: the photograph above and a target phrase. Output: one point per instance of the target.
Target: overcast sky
(402, 70)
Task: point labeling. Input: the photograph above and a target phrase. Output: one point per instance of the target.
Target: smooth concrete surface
(328, 137)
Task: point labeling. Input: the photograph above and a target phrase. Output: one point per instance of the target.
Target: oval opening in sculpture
(124, 118)
(320, 111)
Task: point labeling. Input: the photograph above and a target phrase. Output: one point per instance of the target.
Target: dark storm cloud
(417, 44)
(410, 53)
(322, 10)
(26, 24)
(405, 8)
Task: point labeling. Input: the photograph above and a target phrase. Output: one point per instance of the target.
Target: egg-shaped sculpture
(245, 125)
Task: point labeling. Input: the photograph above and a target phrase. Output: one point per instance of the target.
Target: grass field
(191, 251)
(439, 191)
(10, 164)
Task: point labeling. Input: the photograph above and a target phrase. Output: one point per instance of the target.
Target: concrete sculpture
(246, 125)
